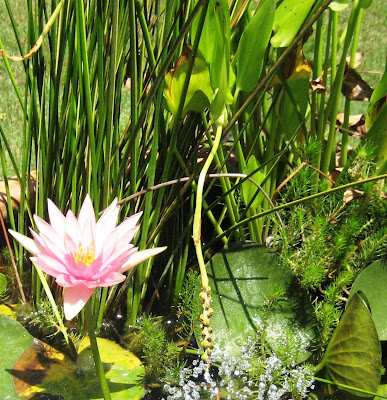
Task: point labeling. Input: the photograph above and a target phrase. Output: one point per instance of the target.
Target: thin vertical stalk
(333, 102)
(133, 94)
(110, 101)
(96, 356)
(196, 235)
(84, 71)
(347, 105)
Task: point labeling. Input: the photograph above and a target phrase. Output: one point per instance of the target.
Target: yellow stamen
(85, 257)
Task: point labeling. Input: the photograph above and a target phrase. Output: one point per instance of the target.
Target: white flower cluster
(233, 379)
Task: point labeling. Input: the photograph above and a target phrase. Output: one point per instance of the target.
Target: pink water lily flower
(81, 253)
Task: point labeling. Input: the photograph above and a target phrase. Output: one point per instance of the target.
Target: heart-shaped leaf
(372, 282)
(14, 340)
(353, 355)
(30, 367)
(246, 280)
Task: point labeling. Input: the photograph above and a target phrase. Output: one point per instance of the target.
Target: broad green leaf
(14, 340)
(382, 390)
(252, 46)
(30, 367)
(199, 94)
(289, 17)
(244, 279)
(372, 282)
(249, 189)
(353, 355)
(211, 44)
(124, 371)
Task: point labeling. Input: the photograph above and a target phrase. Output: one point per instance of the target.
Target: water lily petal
(140, 256)
(72, 227)
(112, 279)
(129, 223)
(88, 229)
(74, 299)
(46, 229)
(106, 224)
(50, 265)
(57, 219)
(25, 241)
(87, 212)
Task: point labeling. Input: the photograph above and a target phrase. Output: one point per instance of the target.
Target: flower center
(86, 257)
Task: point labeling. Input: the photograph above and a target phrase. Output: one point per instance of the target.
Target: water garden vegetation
(225, 129)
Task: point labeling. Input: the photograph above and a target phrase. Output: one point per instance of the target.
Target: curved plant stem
(205, 295)
(94, 347)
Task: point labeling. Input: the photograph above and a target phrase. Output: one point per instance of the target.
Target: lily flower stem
(94, 348)
(205, 295)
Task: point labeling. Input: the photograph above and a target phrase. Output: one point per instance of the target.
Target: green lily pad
(372, 282)
(43, 369)
(14, 340)
(124, 371)
(353, 355)
(30, 367)
(245, 278)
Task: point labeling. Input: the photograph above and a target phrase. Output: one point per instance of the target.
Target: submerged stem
(96, 356)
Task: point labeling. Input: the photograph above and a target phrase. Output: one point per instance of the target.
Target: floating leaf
(5, 310)
(43, 369)
(124, 371)
(14, 340)
(199, 93)
(252, 46)
(246, 279)
(31, 368)
(372, 282)
(353, 355)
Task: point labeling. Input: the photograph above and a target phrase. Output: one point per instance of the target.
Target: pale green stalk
(96, 356)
